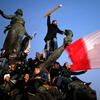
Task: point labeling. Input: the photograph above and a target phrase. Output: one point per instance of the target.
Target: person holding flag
(64, 77)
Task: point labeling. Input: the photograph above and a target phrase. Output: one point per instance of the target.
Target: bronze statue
(16, 31)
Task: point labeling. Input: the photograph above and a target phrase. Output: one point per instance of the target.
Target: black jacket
(43, 75)
(52, 30)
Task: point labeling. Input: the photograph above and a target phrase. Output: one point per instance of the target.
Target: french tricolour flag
(85, 52)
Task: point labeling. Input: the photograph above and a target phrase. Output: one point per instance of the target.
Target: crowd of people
(20, 75)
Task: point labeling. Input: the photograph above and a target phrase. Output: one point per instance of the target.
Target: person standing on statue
(50, 38)
(16, 31)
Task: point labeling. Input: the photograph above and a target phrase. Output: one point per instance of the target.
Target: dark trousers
(62, 79)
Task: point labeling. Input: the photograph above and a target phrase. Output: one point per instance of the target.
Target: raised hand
(49, 14)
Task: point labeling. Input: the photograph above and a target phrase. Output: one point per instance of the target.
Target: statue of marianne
(16, 31)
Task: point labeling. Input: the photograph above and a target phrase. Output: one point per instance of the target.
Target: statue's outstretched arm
(28, 35)
(6, 16)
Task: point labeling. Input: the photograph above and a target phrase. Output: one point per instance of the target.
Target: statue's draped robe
(16, 31)
(15, 35)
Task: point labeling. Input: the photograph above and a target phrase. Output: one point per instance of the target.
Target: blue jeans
(50, 45)
(62, 79)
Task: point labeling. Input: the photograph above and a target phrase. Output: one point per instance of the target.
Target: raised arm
(28, 35)
(77, 73)
(6, 16)
(48, 20)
